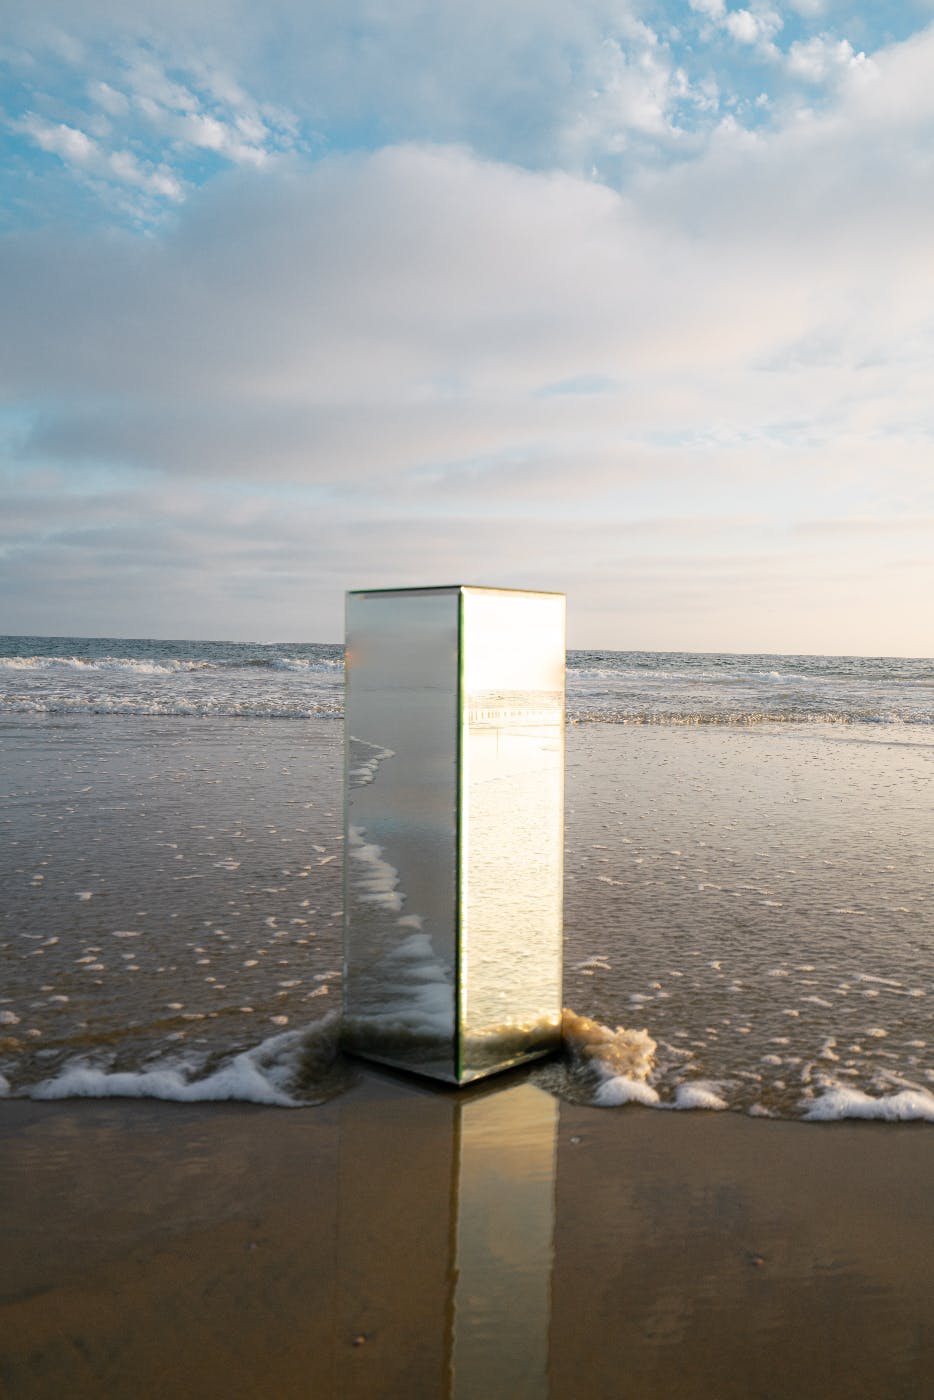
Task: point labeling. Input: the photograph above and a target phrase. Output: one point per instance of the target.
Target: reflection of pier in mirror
(445, 1241)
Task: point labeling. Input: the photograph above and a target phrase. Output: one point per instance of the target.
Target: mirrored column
(454, 782)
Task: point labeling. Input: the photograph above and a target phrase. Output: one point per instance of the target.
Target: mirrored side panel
(400, 862)
(512, 828)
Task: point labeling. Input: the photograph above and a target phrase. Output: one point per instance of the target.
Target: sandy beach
(403, 1241)
(466, 516)
(756, 896)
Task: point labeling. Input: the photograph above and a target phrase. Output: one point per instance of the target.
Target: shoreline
(758, 903)
(406, 1240)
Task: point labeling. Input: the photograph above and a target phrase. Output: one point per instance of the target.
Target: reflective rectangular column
(454, 795)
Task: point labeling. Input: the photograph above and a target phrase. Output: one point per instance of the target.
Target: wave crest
(288, 1070)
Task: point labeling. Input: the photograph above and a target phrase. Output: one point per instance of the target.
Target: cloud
(573, 83)
(137, 125)
(752, 26)
(822, 57)
(112, 101)
(756, 26)
(148, 80)
(61, 140)
(344, 369)
(206, 563)
(588, 86)
(922, 525)
(409, 287)
(84, 153)
(712, 9)
(173, 111)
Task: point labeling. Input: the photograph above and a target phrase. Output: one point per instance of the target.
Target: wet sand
(760, 900)
(405, 1241)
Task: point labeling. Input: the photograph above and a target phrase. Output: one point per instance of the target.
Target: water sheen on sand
(756, 900)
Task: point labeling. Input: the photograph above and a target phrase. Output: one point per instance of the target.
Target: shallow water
(761, 901)
(758, 899)
(173, 890)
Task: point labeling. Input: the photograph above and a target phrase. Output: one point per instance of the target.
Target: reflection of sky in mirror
(512, 834)
(515, 641)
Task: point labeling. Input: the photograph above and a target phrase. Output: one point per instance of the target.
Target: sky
(630, 300)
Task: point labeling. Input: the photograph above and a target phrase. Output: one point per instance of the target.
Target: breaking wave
(288, 1070)
(601, 1066)
(174, 666)
(62, 676)
(178, 706)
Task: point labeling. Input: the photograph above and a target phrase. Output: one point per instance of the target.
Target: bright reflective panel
(512, 829)
(454, 828)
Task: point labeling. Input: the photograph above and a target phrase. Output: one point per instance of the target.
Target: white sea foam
(620, 1060)
(131, 664)
(905, 1106)
(221, 705)
(699, 1093)
(619, 1089)
(170, 666)
(273, 1072)
(274, 682)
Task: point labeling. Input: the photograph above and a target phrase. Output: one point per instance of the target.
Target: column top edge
(452, 588)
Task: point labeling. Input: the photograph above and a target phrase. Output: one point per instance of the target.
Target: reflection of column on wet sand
(444, 1241)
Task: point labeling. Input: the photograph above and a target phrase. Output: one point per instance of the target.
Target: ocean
(244, 680)
(749, 863)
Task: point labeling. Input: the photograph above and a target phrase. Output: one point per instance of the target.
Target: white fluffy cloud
(755, 26)
(417, 359)
(752, 26)
(419, 280)
(822, 57)
(544, 83)
(422, 306)
(89, 157)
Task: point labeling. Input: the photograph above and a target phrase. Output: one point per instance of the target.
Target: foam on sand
(908, 1105)
(699, 1093)
(618, 1062)
(287, 1070)
(615, 1067)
